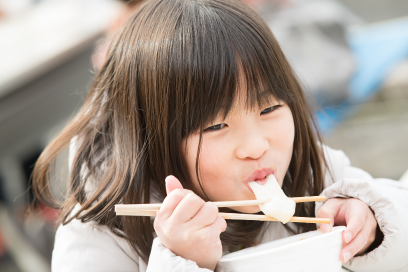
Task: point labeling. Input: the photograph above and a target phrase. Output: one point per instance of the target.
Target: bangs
(197, 57)
(224, 57)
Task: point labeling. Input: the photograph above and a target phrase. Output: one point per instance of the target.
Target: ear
(172, 183)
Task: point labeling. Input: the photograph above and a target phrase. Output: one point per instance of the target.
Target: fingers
(188, 207)
(329, 210)
(356, 244)
(175, 193)
(356, 219)
(219, 225)
(206, 216)
(172, 183)
(360, 221)
(183, 206)
(180, 204)
(360, 231)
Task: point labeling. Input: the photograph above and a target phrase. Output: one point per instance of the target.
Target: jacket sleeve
(89, 247)
(162, 259)
(83, 247)
(389, 201)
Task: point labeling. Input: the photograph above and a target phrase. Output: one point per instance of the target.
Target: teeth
(279, 206)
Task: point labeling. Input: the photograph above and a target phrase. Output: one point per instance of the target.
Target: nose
(252, 145)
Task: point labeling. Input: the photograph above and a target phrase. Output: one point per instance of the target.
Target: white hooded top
(91, 247)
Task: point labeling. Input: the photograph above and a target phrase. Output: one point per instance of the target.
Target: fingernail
(166, 179)
(347, 236)
(346, 256)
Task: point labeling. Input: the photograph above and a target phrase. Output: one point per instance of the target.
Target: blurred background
(351, 56)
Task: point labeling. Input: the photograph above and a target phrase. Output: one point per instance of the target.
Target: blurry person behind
(312, 33)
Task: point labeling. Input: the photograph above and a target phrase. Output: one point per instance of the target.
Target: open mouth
(259, 176)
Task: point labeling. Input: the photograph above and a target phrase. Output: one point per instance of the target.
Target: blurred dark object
(7, 264)
(2, 245)
(28, 166)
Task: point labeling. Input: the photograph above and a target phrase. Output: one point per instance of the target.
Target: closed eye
(270, 109)
(215, 127)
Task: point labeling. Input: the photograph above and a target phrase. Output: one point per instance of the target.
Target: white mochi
(280, 206)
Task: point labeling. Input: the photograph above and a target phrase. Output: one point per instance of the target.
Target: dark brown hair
(173, 68)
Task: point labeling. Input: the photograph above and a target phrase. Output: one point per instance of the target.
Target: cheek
(212, 161)
(282, 142)
(189, 152)
(287, 126)
(213, 164)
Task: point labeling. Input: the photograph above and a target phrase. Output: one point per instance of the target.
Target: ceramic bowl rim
(312, 239)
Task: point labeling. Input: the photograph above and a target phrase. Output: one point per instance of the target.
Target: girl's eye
(215, 127)
(270, 109)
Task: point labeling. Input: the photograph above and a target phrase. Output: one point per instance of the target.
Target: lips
(260, 175)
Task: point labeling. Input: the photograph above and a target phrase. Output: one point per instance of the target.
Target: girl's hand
(189, 226)
(359, 219)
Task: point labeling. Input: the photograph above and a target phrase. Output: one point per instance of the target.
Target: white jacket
(91, 247)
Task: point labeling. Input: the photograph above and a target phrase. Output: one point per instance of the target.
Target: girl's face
(246, 146)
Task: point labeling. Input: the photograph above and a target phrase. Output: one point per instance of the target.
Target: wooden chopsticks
(151, 210)
(219, 204)
(237, 216)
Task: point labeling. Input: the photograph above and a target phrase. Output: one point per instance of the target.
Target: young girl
(195, 100)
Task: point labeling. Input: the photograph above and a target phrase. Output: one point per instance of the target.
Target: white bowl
(312, 251)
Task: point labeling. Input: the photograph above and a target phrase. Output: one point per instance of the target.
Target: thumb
(172, 183)
(328, 210)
